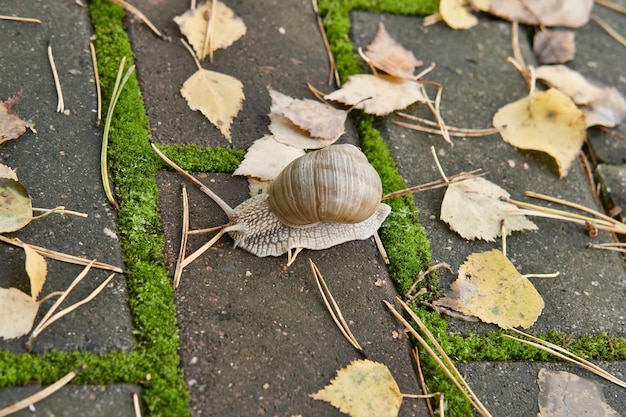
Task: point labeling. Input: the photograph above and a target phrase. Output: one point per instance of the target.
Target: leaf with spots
(16, 209)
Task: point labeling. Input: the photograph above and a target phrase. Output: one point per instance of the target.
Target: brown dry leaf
(287, 132)
(572, 13)
(490, 287)
(554, 46)
(227, 28)
(562, 394)
(7, 172)
(384, 93)
(11, 126)
(218, 96)
(476, 207)
(386, 54)
(602, 105)
(546, 121)
(457, 14)
(266, 158)
(319, 119)
(363, 389)
(37, 270)
(17, 313)
(16, 209)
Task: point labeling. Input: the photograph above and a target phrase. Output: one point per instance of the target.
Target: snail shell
(334, 184)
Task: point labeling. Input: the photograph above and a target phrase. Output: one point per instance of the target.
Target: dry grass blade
(40, 395)
(208, 34)
(618, 247)
(57, 83)
(202, 249)
(609, 30)
(333, 308)
(332, 70)
(132, 9)
(436, 111)
(452, 131)
(433, 185)
(136, 405)
(178, 272)
(422, 381)
(60, 256)
(566, 355)
(448, 367)
(612, 6)
(381, 248)
(58, 210)
(21, 19)
(421, 276)
(207, 230)
(96, 75)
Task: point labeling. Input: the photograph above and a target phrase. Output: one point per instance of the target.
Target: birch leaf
(227, 27)
(17, 313)
(546, 121)
(388, 55)
(266, 158)
(37, 270)
(319, 119)
(490, 288)
(363, 389)
(11, 126)
(476, 207)
(457, 14)
(378, 94)
(218, 96)
(573, 13)
(15, 206)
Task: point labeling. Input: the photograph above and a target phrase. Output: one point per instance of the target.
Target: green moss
(196, 158)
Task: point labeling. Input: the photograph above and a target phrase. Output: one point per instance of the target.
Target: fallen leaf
(363, 389)
(554, 46)
(227, 28)
(490, 287)
(457, 14)
(319, 119)
(7, 172)
(572, 13)
(37, 270)
(218, 96)
(602, 105)
(562, 394)
(17, 313)
(475, 208)
(378, 94)
(546, 121)
(15, 206)
(386, 54)
(11, 126)
(266, 158)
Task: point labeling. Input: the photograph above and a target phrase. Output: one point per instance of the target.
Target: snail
(322, 199)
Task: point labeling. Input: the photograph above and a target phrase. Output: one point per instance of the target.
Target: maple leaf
(490, 287)
(363, 389)
(457, 14)
(386, 54)
(546, 121)
(378, 94)
(539, 12)
(554, 47)
(11, 126)
(266, 158)
(17, 313)
(227, 28)
(476, 208)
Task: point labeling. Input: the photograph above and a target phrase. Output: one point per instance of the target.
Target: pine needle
(178, 272)
(57, 83)
(133, 10)
(21, 19)
(96, 75)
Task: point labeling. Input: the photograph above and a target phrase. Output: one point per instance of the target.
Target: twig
(422, 274)
(207, 230)
(208, 34)
(609, 30)
(21, 19)
(40, 395)
(436, 110)
(136, 405)
(381, 248)
(433, 185)
(570, 204)
(59, 256)
(178, 272)
(96, 75)
(439, 168)
(463, 133)
(424, 71)
(617, 247)
(58, 210)
(132, 9)
(421, 380)
(611, 6)
(202, 249)
(333, 308)
(453, 131)
(57, 83)
(332, 70)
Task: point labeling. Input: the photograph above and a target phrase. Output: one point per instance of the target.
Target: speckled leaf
(17, 313)
(363, 389)
(490, 287)
(386, 54)
(15, 206)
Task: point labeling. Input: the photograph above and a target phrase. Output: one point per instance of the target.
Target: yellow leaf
(226, 30)
(363, 389)
(546, 121)
(37, 270)
(490, 288)
(456, 14)
(218, 96)
(17, 313)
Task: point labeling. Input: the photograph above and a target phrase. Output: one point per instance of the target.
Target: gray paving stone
(59, 165)
(612, 180)
(588, 296)
(75, 400)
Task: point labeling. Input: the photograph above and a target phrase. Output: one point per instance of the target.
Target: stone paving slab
(588, 296)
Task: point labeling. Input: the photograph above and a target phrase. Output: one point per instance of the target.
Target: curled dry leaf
(490, 287)
(363, 388)
(546, 121)
(16, 209)
(573, 13)
(457, 14)
(319, 119)
(476, 207)
(378, 94)
(218, 96)
(386, 54)
(554, 46)
(602, 105)
(227, 28)
(562, 394)
(11, 126)
(17, 313)
(37, 270)
(266, 158)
